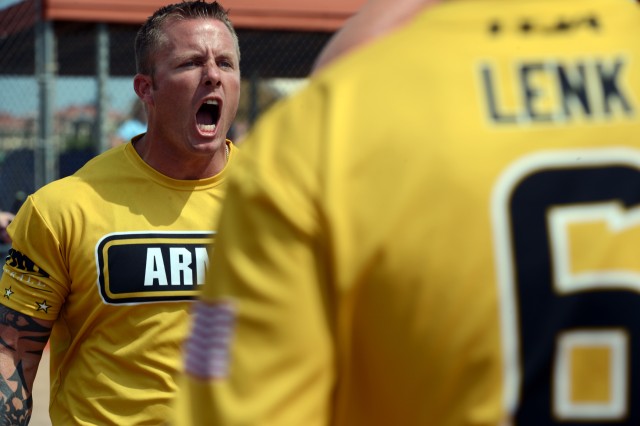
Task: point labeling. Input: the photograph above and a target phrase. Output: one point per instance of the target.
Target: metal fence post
(102, 77)
(46, 67)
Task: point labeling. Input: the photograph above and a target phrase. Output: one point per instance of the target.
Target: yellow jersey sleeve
(34, 272)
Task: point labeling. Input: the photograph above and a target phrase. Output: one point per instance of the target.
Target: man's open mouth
(208, 115)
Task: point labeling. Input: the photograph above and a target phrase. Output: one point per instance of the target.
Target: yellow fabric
(388, 233)
(108, 228)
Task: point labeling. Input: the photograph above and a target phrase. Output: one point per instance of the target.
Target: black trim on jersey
(152, 267)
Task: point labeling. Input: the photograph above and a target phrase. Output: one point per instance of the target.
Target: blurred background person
(440, 229)
(134, 125)
(5, 220)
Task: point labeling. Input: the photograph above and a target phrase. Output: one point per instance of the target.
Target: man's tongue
(205, 121)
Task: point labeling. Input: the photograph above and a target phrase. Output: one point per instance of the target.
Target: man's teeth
(207, 127)
(211, 102)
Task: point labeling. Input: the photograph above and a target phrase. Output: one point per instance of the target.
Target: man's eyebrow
(228, 55)
(187, 56)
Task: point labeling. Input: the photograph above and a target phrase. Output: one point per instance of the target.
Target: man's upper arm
(261, 352)
(23, 333)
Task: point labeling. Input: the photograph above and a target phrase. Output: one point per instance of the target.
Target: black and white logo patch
(144, 267)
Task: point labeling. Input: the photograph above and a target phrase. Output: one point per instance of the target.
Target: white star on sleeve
(42, 306)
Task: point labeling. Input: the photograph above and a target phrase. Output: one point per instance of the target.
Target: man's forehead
(197, 26)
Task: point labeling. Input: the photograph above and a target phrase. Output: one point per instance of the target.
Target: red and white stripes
(207, 348)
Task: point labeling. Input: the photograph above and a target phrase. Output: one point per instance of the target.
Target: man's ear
(143, 86)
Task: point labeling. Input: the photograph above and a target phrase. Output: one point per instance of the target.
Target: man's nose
(211, 75)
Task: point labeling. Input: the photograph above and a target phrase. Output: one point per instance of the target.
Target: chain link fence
(66, 90)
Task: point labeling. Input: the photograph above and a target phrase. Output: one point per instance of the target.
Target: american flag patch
(207, 348)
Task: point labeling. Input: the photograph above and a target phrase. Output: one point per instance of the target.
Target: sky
(5, 3)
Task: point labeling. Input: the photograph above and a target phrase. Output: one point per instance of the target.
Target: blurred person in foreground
(109, 260)
(440, 229)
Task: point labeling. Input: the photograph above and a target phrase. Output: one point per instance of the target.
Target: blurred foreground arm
(261, 349)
